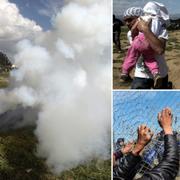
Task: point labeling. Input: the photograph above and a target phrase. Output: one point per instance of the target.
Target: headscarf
(133, 11)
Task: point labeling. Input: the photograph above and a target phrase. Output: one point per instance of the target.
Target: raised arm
(126, 169)
(168, 167)
(157, 44)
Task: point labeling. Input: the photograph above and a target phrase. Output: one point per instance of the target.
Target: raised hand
(165, 120)
(144, 137)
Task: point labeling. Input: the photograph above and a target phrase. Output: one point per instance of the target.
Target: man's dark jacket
(167, 169)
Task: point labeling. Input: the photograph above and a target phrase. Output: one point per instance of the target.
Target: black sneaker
(125, 78)
(170, 85)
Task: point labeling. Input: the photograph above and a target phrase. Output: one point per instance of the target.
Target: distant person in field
(143, 77)
(116, 32)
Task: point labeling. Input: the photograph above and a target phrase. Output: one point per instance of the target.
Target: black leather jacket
(167, 169)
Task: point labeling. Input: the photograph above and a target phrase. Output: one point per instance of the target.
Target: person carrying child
(158, 16)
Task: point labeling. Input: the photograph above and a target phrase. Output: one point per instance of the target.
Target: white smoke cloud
(14, 27)
(66, 74)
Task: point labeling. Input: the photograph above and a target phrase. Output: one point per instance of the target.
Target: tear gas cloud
(65, 73)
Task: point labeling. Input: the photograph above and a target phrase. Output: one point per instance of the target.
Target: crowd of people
(128, 158)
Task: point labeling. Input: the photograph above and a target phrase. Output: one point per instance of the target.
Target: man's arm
(157, 44)
(126, 169)
(168, 167)
(134, 30)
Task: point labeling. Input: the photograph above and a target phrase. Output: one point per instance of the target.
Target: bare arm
(134, 30)
(158, 45)
(126, 169)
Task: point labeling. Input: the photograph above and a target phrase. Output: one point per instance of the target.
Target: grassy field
(18, 160)
(172, 55)
(4, 79)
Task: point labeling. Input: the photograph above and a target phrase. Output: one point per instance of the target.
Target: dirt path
(172, 57)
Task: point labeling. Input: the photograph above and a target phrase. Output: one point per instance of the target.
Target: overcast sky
(119, 6)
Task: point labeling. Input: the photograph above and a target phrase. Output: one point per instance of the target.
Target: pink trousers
(140, 47)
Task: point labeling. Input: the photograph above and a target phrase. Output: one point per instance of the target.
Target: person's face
(121, 143)
(129, 21)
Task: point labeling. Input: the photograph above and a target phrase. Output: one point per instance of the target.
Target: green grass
(172, 39)
(18, 156)
(4, 79)
(124, 29)
(169, 48)
(95, 170)
(177, 46)
(18, 161)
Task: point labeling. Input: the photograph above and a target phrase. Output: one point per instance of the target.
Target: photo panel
(55, 89)
(146, 37)
(154, 116)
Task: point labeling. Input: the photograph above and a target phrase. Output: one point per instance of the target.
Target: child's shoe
(125, 78)
(157, 81)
